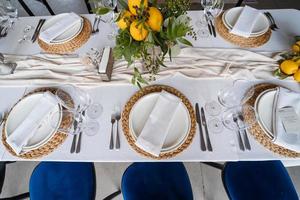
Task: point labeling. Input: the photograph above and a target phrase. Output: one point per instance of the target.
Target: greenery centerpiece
(289, 65)
(150, 31)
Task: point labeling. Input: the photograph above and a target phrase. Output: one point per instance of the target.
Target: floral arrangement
(150, 31)
(290, 62)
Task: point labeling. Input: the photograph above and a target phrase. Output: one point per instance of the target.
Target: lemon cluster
(291, 67)
(139, 29)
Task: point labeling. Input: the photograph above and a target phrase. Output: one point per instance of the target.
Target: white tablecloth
(198, 90)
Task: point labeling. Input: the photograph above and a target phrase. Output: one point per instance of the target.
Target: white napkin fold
(26, 130)
(158, 124)
(60, 27)
(285, 98)
(245, 23)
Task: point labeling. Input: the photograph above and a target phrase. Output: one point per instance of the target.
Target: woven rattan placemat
(53, 143)
(259, 133)
(250, 42)
(71, 45)
(151, 89)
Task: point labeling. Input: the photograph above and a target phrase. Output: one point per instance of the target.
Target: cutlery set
(76, 144)
(115, 117)
(211, 28)
(95, 28)
(238, 119)
(37, 30)
(201, 120)
(205, 143)
(273, 25)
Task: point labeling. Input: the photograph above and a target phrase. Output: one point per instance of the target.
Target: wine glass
(239, 117)
(109, 17)
(8, 11)
(236, 94)
(25, 36)
(212, 8)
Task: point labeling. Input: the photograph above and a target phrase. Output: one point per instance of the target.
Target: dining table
(197, 89)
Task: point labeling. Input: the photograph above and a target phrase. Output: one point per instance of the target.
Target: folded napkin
(158, 124)
(26, 130)
(245, 23)
(286, 102)
(60, 27)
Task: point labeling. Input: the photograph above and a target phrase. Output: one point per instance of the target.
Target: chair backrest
(44, 7)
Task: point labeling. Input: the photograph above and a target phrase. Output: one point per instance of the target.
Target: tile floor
(206, 181)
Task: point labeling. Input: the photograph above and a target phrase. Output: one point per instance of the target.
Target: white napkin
(158, 124)
(286, 98)
(60, 27)
(26, 130)
(245, 23)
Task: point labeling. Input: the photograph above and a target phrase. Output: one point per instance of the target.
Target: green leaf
(185, 41)
(297, 38)
(123, 4)
(160, 62)
(102, 10)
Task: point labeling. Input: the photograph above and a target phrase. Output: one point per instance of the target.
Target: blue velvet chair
(159, 181)
(257, 180)
(61, 181)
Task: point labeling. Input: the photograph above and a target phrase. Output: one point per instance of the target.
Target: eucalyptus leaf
(102, 10)
(185, 41)
(123, 4)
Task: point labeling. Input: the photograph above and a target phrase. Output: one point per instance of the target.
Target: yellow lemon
(124, 20)
(288, 67)
(138, 31)
(135, 4)
(297, 76)
(296, 47)
(155, 19)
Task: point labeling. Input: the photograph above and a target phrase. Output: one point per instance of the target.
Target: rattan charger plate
(256, 130)
(57, 139)
(71, 45)
(250, 42)
(151, 89)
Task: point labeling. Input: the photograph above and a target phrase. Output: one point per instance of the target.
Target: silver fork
(113, 120)
(241, 144)
(245, 136)
(118, 117)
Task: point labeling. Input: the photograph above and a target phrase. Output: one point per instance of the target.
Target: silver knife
(209, 147)
(198, 119)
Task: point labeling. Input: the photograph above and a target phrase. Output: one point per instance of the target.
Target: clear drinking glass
(236, 94)
(8, 11)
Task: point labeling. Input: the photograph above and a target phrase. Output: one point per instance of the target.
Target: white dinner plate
(179, 129)
(264, 108)
(231, 16)
(67, 35)
(20, 111)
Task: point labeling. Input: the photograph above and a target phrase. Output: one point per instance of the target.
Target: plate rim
(261, 124)
(63, 40)
(169, 149)
(228, 26)
(46, 139)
